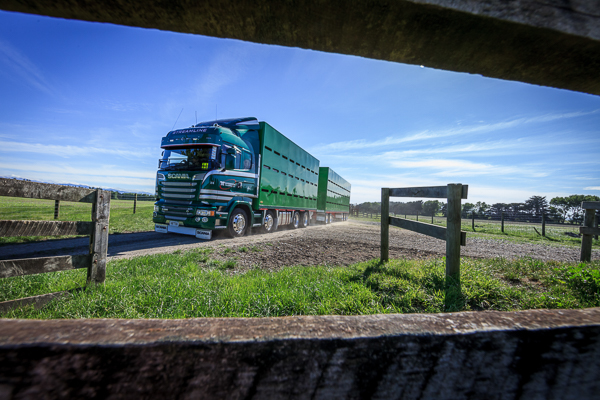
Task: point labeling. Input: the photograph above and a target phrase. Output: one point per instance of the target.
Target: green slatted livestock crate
(289, 175)
(333, 196)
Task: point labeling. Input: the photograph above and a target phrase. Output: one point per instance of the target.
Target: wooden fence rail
(95, 261)
(452, 234)
(588, 230)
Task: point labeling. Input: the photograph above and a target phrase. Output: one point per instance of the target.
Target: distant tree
(467, 209)
(570, 207)
(431, 207)
(537, 205)
(497, 209)
(481, 208)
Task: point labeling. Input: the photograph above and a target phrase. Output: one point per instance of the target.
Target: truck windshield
(190, 159)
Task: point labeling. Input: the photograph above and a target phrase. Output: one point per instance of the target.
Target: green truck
(333, 198)
(239, 174)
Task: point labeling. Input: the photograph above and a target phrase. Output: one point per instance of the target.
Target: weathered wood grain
(586, 238)
(99, 238)
(453, 233)
(435, 192)
(385, 224)
(586, 230)
(594, 205)
(37, 301)
(36, 190)
(44, 228)
(31, 266)
(438, 232)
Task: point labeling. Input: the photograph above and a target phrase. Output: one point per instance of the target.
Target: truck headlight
(156, 208)
(205, 213)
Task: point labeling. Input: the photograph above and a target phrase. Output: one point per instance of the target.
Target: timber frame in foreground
(95, 261)
(452, 234)
(588, 230)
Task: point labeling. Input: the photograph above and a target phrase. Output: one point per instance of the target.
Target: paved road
(137, 244)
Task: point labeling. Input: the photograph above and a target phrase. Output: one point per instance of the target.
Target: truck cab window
(193, 159)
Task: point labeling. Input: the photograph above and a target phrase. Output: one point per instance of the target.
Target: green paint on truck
(333, 196)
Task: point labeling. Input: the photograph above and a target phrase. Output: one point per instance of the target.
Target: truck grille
(177, 190)
(178, 211)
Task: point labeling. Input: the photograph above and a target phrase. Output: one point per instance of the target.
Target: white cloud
(449, 167)
(72, 151)
(22, 66)
(362, 144)
(592, 188)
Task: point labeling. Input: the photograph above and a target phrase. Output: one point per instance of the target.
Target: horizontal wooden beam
(37, 301)
(44, 228)
(36, 190)
(435, 231)
(590, 205)
(30, 266)
(434, 192)
(588, 230)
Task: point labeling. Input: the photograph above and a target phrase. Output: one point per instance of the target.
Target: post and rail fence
(452, 234)
(589, 228)
(97, 229)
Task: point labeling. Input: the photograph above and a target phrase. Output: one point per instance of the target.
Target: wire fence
(527, 224)
(16, 208)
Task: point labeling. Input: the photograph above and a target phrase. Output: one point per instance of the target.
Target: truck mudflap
(174, 227)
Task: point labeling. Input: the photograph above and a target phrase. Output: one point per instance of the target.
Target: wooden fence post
(99, 237)
(502, 220)
(453, 231)
(586, 240)
(432, 218)
(385, 224)
(417, 215)
(544, 225)
(134, 203)
(473, 221)
(56, 209)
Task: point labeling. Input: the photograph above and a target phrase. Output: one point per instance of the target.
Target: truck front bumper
(173, 227)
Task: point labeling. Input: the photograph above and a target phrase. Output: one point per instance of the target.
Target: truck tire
(295, 220)
(270, 223)
(238, 223)
(304, 220)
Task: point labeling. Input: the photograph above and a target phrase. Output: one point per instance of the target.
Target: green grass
(191, 284)
(122, 218)
(523, 233)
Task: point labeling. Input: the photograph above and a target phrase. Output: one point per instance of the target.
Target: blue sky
(87, 103)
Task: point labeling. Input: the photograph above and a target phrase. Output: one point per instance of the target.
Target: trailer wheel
(238, 223)
(304, 220)
(295, 220)
(270, 224)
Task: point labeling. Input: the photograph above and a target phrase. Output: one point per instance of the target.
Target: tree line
(558, 210)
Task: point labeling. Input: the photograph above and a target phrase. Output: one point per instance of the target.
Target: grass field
(122, 218)
(516, 232)
(191, 284)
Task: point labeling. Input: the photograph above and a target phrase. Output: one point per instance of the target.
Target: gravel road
(341, 243)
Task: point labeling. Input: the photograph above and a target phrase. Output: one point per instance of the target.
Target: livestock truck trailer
(239, 174)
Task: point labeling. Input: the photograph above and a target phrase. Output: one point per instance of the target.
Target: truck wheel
(238, 223)
(269, 225)
(304, 220)
(295, 220)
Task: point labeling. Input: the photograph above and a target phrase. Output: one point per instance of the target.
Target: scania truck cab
(212, 176)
